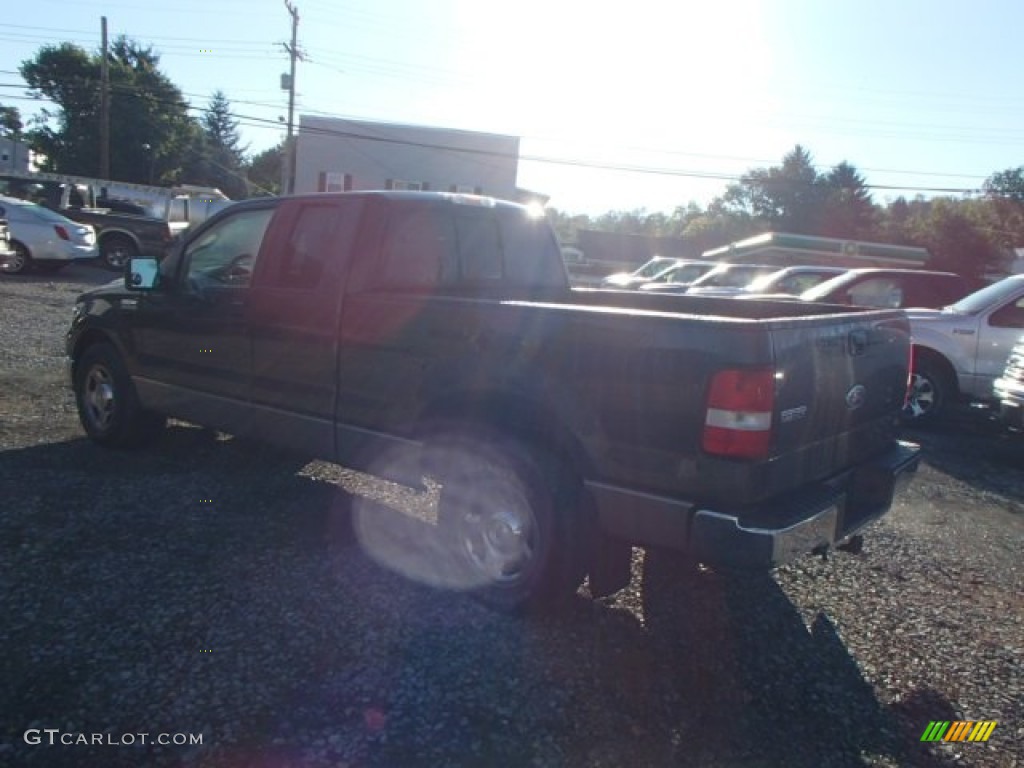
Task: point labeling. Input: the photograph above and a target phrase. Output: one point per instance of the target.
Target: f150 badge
(856, 397)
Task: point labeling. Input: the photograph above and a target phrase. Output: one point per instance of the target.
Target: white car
(42, 238)
(960, 351)
(649, 271)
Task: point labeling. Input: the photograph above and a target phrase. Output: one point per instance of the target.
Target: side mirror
(142, 275)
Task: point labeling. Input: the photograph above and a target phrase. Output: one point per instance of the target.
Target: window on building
(334, 181)
(401, 184)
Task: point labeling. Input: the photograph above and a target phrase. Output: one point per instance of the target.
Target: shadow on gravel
(761, 686)
(208, 586)
(973, 447)
(73, 273)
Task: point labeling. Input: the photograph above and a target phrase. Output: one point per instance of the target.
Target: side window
(796, 283)
(418, 248)
(918, 293)
(951, 291)
(531, 251)
(882, 292)
(308, 247)
(1010, 316)
(226, 253)
(479, 245)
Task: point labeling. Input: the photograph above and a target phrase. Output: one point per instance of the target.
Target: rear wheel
(20, 262)
(509, 520)
(108, 405)
(116, 250)
(929, 393)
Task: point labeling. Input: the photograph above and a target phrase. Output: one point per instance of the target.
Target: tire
(108, 406)
(20, 263)
(510, 521)
(928, 395)
(115, 251)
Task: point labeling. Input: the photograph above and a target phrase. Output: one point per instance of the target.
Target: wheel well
(108, 236)
(513, 417)
(86, 340)
(940, 364)
(14, 241)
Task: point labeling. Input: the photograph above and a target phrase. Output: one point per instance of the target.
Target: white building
(334, 155)
(15, 156)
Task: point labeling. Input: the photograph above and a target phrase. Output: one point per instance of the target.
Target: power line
(258, 122)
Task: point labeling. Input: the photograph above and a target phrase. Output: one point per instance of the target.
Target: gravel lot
(208, 586)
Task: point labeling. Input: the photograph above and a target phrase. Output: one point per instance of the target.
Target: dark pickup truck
(562, 426)
(120, 235)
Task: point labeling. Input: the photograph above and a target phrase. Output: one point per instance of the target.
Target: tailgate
(842, 382)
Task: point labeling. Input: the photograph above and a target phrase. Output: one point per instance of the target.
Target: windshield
(654, 267)
(789, 281)
(686, 273)
(988, 296)
(820, 291)
(732, 276)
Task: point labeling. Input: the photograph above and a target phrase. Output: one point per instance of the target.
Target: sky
(619, 106)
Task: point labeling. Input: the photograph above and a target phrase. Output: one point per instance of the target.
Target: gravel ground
(281, 610)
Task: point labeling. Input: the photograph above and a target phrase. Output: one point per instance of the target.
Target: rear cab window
(453, 248)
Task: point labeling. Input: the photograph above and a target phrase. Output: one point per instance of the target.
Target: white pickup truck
(960, 350)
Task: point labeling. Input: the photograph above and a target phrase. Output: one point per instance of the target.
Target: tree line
(155, 139)
(969, 235)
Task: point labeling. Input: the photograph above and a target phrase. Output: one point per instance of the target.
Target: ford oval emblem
(856, 397)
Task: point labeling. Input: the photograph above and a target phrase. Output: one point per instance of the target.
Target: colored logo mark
(958, 730)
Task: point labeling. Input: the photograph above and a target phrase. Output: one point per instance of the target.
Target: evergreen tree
(222, 150)
(848, 210)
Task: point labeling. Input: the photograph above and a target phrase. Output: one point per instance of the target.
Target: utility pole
(288, 166)
(104, 105)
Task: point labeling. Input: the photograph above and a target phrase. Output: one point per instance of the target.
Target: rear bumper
(771, 534)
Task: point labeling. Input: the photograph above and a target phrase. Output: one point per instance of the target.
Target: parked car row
(868, 287)
(42, 239)
(968, 339)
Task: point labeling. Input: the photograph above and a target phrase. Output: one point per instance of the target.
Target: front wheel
(509, 522)
(108, 405)
(928, 395)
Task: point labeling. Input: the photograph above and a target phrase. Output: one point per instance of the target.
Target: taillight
(738, 423)
(61, 232)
